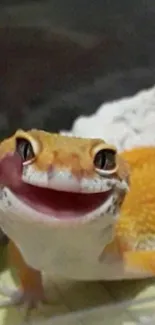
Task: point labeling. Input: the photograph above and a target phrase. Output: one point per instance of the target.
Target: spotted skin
(135, 229)
(39, 242)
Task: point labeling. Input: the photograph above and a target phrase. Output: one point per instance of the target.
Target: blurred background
(63, 58)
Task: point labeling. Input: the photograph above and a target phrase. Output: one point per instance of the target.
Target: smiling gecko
(59, 199)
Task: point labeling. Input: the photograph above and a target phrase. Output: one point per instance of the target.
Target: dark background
(61, 58)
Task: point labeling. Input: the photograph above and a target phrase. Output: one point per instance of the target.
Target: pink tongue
(10, 170)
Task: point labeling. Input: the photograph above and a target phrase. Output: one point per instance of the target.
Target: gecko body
(135, 228)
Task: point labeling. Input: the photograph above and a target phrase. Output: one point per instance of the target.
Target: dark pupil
(105, 159)
(24, 148)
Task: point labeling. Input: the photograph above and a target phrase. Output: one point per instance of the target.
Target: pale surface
(89, 303)
(121, 122)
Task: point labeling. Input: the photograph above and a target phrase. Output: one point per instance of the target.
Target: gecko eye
(25, 150)
(105, 162)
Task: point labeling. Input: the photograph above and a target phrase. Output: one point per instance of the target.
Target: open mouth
(50, 202)
(60, 204)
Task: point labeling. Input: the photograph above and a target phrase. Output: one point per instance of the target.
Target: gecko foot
(29, 300)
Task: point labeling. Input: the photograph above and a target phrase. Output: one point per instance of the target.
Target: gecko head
(61, 179)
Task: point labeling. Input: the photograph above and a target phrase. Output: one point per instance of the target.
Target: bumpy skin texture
(133, 246)
(41, 243)
(135, 229)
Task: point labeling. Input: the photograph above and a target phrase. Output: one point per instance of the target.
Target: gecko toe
(18, 297)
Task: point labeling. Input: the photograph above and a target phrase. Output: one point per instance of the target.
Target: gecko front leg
(30, 291)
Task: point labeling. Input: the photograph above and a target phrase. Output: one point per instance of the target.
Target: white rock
(126, 123)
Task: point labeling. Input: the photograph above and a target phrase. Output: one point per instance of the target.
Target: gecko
(59, 199)
(134, 231)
